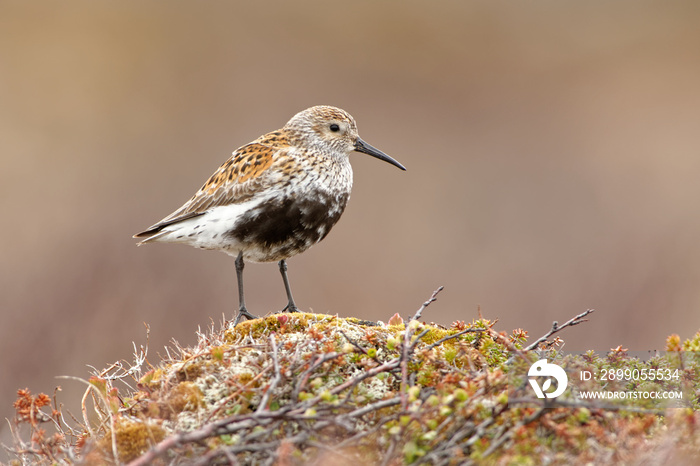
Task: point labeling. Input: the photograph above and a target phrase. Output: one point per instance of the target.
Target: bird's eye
(335, 128)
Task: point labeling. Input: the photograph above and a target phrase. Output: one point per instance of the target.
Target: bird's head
(333, 131)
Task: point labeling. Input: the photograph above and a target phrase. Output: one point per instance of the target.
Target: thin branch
(374, 407)
(92, 388)
(225, 426)
(267, 446)
(590, 405)
(456, 335)
(556, 328)
(390, 453)
(307, 373)
(364, 433)
(507, 435)
(222, 403)
(432, 299)
(353, 343)
(418, 338)
(387, 366)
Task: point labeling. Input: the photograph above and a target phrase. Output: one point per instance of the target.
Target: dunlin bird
(275, 197)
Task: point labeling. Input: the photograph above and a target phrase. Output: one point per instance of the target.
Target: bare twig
(353, 343)
(374, 407)
(266, 446)
(557, 328)
(224, 426)
(508, 434)
(456, 335)
(590, 405)
(304, 377)
(390, 453)
(407, 346)
(386, 367)
(222, 403)
(92, 388)
(430, 300)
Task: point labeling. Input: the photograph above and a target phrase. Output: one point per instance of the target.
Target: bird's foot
(243, 312)
(290, 307)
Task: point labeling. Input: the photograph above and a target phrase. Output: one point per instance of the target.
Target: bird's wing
(247, 172)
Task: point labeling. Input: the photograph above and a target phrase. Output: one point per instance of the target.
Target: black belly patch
(288, 226)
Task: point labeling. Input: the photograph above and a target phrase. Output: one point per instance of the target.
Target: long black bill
(362, 146)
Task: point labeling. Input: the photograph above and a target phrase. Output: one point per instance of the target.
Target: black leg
(242, 311)
(291, 307)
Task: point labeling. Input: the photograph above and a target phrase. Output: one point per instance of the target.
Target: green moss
(152, 379)
(185, 396)
(190, 370)
(133, 439)
(245, 378)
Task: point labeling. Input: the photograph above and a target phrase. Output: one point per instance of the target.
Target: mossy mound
(317, 389)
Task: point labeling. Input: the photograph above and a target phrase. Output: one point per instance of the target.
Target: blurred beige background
(553, 154)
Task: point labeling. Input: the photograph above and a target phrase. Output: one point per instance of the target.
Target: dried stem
(430, 300)
(556, 328)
